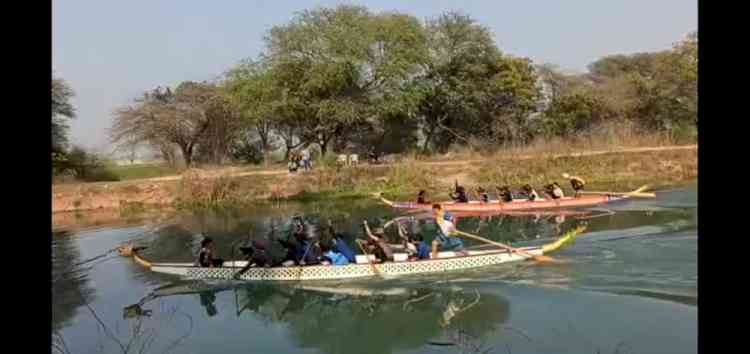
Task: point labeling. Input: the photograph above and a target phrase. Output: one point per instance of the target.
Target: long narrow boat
(515, 205)
(446, 261)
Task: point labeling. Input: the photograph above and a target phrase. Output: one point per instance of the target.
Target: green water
(628, 285)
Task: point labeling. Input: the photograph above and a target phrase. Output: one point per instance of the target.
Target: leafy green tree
(62, 112)
(350, 66)
(468, 88)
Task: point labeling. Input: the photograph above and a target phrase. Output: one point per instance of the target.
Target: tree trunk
(187, 154)
(428, 139)
(263, 131)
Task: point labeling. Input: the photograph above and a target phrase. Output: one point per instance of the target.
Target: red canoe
(518, 204)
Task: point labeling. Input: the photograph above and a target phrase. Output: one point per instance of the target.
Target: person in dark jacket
(206, 255)
(460, 195)
(504, 194)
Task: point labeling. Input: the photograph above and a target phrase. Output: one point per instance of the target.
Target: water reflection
(345, 318)
(70, 283)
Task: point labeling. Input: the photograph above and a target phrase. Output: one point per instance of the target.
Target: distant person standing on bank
(306, 159)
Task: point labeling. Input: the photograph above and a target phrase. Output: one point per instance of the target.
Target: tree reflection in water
(350, 318)
(70, 283)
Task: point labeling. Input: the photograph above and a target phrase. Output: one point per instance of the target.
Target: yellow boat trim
(141, 261)
(567, 238)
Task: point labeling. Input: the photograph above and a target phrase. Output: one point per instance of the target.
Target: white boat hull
(475, 259)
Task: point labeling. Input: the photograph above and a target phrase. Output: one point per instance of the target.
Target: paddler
(413, 240)
(576, 182)
(421, 197)
(530, 192)
(446, 229)
(484, 197)
(376, 244)
(338, 244)
(554, 190)
(504, 194)
(460, 194)
(206, 255)
(269, 252)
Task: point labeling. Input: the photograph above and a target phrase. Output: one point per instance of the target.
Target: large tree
(191, 115)
(468, 88)
(251, 88)
(350, 67)
(62, 112)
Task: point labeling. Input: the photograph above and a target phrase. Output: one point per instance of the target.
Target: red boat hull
(495, 206)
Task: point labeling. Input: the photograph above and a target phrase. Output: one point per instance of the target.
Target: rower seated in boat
(576, 182)
(460, 195)
(554, 190)
(375, 243)
(504, 194)
(270, 252)
(421, 197)
(484, 197)
(413, 240)
(445, 240)
(337, 243)
(531, 194)
(309, 239)
(302, 244)
(206, 255)
(255, 253)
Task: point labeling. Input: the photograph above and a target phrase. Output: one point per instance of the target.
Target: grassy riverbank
(603, 169)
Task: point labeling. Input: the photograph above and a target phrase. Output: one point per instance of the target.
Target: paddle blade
(640, 195)
(641, 189)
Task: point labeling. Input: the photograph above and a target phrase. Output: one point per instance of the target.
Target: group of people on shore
(506, 195)
(299, 159)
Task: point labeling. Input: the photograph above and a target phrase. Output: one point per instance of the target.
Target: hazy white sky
(110, 51)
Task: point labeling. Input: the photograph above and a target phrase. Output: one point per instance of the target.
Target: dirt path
(159, 190)
(440, 163)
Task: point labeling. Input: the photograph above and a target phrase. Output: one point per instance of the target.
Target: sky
(112, 51)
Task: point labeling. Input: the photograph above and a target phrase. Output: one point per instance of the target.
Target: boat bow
(565, 239)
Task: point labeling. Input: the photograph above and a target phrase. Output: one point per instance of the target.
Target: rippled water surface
(628, 285)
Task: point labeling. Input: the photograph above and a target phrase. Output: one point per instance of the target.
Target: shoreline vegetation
(612, 168)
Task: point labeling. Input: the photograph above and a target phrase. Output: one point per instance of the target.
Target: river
(627, 285)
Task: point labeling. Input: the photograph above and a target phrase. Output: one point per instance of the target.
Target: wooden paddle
(541, 258)
(636, 193)
(367, 255)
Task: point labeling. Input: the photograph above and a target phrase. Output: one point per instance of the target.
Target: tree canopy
(348, 79)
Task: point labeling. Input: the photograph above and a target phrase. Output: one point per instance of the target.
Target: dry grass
(605, 137)
(611, 171)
